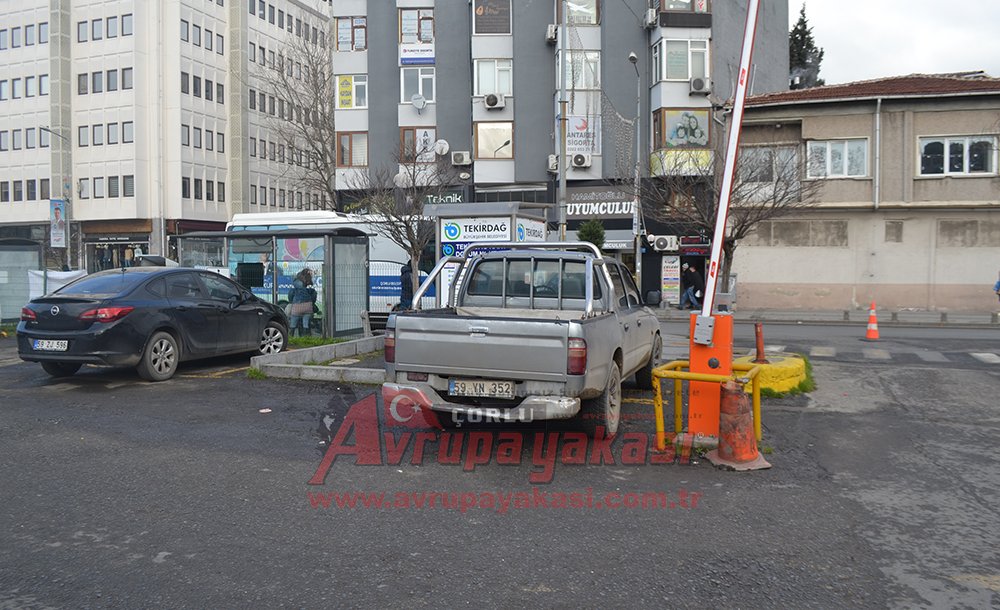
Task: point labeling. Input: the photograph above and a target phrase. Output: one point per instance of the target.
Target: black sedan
(151, 318)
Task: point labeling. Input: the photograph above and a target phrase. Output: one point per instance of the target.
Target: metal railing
(672, 370)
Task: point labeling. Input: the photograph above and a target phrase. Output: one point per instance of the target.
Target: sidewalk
(886, 317)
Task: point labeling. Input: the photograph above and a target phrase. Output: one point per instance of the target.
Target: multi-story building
(135, 114)
(186, 136)
(907, 212)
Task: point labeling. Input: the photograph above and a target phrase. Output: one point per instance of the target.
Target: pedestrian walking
(996, 288)
(694, 287)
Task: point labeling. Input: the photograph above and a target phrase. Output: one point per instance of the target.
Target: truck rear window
(488, 279)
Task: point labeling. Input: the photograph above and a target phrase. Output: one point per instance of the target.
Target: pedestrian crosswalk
(884, 355)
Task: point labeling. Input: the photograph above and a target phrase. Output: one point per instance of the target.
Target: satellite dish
(419, 102)
(441, 147)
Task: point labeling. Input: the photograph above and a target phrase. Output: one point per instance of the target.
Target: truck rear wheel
(644, 376)
(601, 416)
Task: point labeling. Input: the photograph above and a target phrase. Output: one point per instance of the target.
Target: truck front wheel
(601, 416)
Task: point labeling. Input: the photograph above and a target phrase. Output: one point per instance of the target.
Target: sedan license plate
(50, 345)
(483, 388)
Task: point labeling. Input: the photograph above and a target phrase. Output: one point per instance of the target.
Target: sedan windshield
(103, 284)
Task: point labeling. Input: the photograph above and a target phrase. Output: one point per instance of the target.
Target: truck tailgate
(491, 347)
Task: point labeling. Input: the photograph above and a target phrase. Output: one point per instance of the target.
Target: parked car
(151, 318)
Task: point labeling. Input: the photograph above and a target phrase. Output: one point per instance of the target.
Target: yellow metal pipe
(661, 441)
(678, 420)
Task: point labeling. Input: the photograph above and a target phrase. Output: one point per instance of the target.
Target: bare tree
(397, 191)
(687, 184)
(303, 85)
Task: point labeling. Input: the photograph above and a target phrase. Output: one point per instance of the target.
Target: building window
(185, 82)
(220, 142)
(3, 40)
(126, 78)
(209, 190)
(43, 32)
(29, 35)
(352, 34)
(18, 190)
(253, 100)
(4, 191)
(112, 133)
(253, 194)
(197, 189)
(127, 31)
(4, 140)
(128, 186)
(196, 86)
(43, 189)
(220, 191)
(97, 82)
(493, 76)
(197, 137)
(29, 86)
(196, 36)
(112, 27)
(31, 189)
(218, 45)
(837, 159)
(679, 59)
(17, 89)
(4, 90)
(185, 187)
(30, 138)
(416, 26)
(494, 140)
(127, 132)
(185, 135)
(209, 140)
(43, 84)
(220, 91)
(208, 40)
(581, 12)
(417, 144)
(113, 186)
(585, 70)
(417, 81)
(352, 149)
(97, 135)
(82, 82)
(83, 185)
(973, 155)
(17, 138)
(185, 35)
(97, 29)
(98, 188)
(112, 77)
(82, 135)
(353, 91)
(43, 138)
(82, 29)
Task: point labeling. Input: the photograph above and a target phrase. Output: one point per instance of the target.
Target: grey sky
(865, 39)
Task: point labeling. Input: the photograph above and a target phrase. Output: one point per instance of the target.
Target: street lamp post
(67, 192)
(637, 201)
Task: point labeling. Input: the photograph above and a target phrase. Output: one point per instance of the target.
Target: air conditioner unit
(461, 157)
(494, 101)
(699, 86)
(552, 33)
(663, 243)
(553, 163)
(581, 160)
(652, 18)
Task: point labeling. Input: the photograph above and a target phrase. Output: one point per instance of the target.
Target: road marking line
(228, 371)
(638, 401)
(986, 357)
(872, 353)
(10, 362)
(823, 352)
(932, 357)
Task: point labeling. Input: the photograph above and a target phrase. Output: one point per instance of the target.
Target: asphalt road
(120, 494)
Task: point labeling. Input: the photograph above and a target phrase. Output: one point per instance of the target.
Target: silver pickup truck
(539, 331)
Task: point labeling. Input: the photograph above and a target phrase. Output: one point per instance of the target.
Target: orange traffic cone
(737, 441)
(872, 334)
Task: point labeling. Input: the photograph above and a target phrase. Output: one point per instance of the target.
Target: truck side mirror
(652, 298)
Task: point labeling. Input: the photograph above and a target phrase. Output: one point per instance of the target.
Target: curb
(782, 373)
(292, 364)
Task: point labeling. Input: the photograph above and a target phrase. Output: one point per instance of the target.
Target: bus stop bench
(374, 322)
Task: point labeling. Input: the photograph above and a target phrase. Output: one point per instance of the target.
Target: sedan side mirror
(653, 298)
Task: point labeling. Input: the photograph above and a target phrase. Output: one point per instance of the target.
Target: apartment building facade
(908, 207)
(165, 121)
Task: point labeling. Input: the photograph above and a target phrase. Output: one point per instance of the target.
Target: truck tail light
(390, 345)
(576, 357)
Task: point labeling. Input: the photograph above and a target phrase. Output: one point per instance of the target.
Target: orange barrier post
(714, 359)
(737, 441)
(872, 334)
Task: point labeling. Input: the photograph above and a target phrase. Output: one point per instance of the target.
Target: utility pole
(637, 199)
(563, 120)
(67, 192)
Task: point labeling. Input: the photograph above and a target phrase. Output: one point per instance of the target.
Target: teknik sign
(477, 229)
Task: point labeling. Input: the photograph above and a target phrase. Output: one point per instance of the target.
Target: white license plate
(50, 345)
(483, 388)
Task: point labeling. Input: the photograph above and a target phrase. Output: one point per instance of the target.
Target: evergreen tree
(592, 231)
(803, 55)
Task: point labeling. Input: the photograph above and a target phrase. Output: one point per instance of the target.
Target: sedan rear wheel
(272, 340)
(61, 369)
(160, 359)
